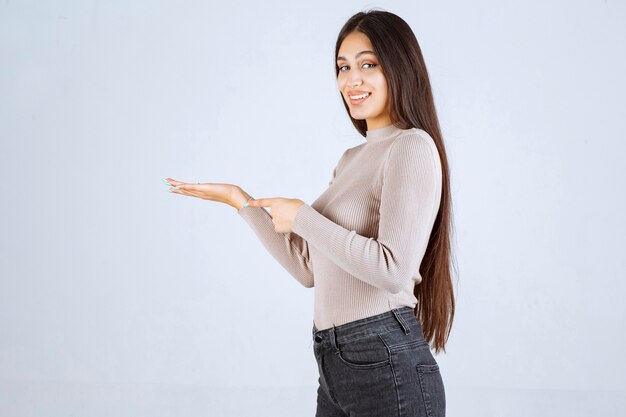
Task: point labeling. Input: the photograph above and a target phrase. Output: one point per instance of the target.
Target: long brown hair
(411, 105)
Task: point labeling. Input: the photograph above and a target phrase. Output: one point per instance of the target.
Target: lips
(359, 100)
(356, 92)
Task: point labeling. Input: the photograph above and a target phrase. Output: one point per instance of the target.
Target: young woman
(375, 245)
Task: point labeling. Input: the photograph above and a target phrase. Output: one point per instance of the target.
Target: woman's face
(360, 73)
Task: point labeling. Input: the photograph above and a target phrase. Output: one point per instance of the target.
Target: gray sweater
(361, 242)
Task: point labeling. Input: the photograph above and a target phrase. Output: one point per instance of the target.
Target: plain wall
(119, 298)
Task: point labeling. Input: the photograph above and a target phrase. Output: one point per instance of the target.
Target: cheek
(381, 82)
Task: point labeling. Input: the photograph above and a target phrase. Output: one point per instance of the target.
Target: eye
(367, 63)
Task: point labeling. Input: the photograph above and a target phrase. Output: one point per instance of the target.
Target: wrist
(239, 198)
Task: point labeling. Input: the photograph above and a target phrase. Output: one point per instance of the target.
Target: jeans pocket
(433, 392)
(366, 352)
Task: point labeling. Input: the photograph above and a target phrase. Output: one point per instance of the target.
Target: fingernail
(175, 188)
(169, 191)
(166, 181)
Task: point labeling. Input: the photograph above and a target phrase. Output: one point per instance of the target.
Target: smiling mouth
(359, 98)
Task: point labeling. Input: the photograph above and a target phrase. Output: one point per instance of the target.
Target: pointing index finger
(261, 202)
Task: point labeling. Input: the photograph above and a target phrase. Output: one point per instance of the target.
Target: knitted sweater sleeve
(289, 249)
(408, 205)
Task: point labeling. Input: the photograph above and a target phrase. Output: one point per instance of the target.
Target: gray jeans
(377, 366)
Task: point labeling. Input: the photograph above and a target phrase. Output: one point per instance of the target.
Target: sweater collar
(382, 133)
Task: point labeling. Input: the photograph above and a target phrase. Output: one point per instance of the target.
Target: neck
(380, 134)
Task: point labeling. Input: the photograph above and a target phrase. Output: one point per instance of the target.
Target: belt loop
(403, 324)
(333, 337)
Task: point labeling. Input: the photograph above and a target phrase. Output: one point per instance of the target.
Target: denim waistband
(403, 317)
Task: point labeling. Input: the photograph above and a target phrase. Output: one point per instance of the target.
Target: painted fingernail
(166, 181)
(175, 188)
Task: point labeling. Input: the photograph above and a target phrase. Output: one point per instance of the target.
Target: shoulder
(413, 156)
(416, 142)
(417, 135)
(348, 153)
(356, 148)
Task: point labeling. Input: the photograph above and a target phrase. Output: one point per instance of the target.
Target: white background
(119, 298)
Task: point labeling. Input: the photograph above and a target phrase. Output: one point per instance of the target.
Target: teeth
(359, 96)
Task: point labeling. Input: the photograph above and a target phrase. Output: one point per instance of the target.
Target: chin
(361, 116)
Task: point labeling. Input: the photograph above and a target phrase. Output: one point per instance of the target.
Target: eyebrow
(343, 58)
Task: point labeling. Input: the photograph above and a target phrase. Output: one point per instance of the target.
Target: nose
(355, 82)
(354, 79)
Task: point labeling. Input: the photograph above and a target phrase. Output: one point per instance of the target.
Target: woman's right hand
(229, 194)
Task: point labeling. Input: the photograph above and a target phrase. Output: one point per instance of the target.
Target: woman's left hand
(282, 210)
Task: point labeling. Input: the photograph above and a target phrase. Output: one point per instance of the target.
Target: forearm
(290, 250)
